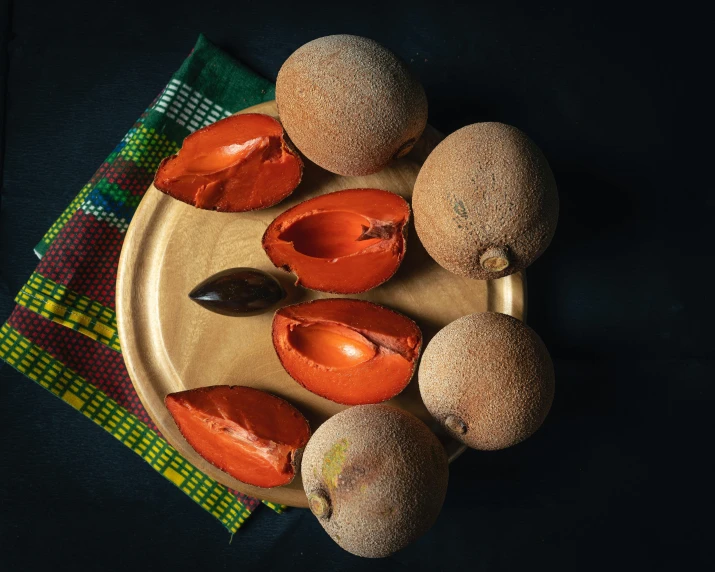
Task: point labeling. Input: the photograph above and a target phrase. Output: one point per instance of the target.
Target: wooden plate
(170, 343)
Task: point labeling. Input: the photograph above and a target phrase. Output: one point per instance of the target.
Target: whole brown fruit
(485, 202)
(375, 477)
(349, 104)
(488, 379)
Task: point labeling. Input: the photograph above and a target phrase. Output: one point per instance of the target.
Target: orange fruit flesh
(247, 433)
(349, 351)
(237, 164)
(344, 242)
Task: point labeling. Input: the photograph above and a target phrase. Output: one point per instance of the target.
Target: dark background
(617, 98)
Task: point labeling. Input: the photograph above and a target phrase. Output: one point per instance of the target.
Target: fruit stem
(455, 424)
(319, 504)
(495, 259)
(405, 148)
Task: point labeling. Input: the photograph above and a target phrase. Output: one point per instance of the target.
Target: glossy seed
(239, 292)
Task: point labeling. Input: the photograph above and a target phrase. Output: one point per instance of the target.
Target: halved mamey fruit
(343, 242)
(349, 351)
(240, 163)
(253, 436)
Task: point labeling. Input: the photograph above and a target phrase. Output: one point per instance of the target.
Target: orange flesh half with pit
(240, 163)
(344, 242)
(252, 435)
(349, 351)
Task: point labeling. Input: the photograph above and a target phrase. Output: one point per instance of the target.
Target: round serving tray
(170, 343)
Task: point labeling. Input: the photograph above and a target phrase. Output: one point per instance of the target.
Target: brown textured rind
(492, 372)
(485, 186)
(349, 104)
(384, 475)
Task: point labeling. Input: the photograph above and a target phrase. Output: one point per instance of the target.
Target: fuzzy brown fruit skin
(349, 104)
(485, 202)
(375, 477)
(489, 379)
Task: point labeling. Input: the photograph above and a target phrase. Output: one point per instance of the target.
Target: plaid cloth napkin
(63, 332)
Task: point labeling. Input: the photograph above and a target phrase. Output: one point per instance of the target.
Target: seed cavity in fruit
(331, 345)
(335, 234)
(349, 351)
(344, 242)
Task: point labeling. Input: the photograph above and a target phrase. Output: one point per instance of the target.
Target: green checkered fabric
(73, 286)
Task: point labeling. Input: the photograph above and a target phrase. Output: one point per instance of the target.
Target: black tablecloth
(616, 97)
